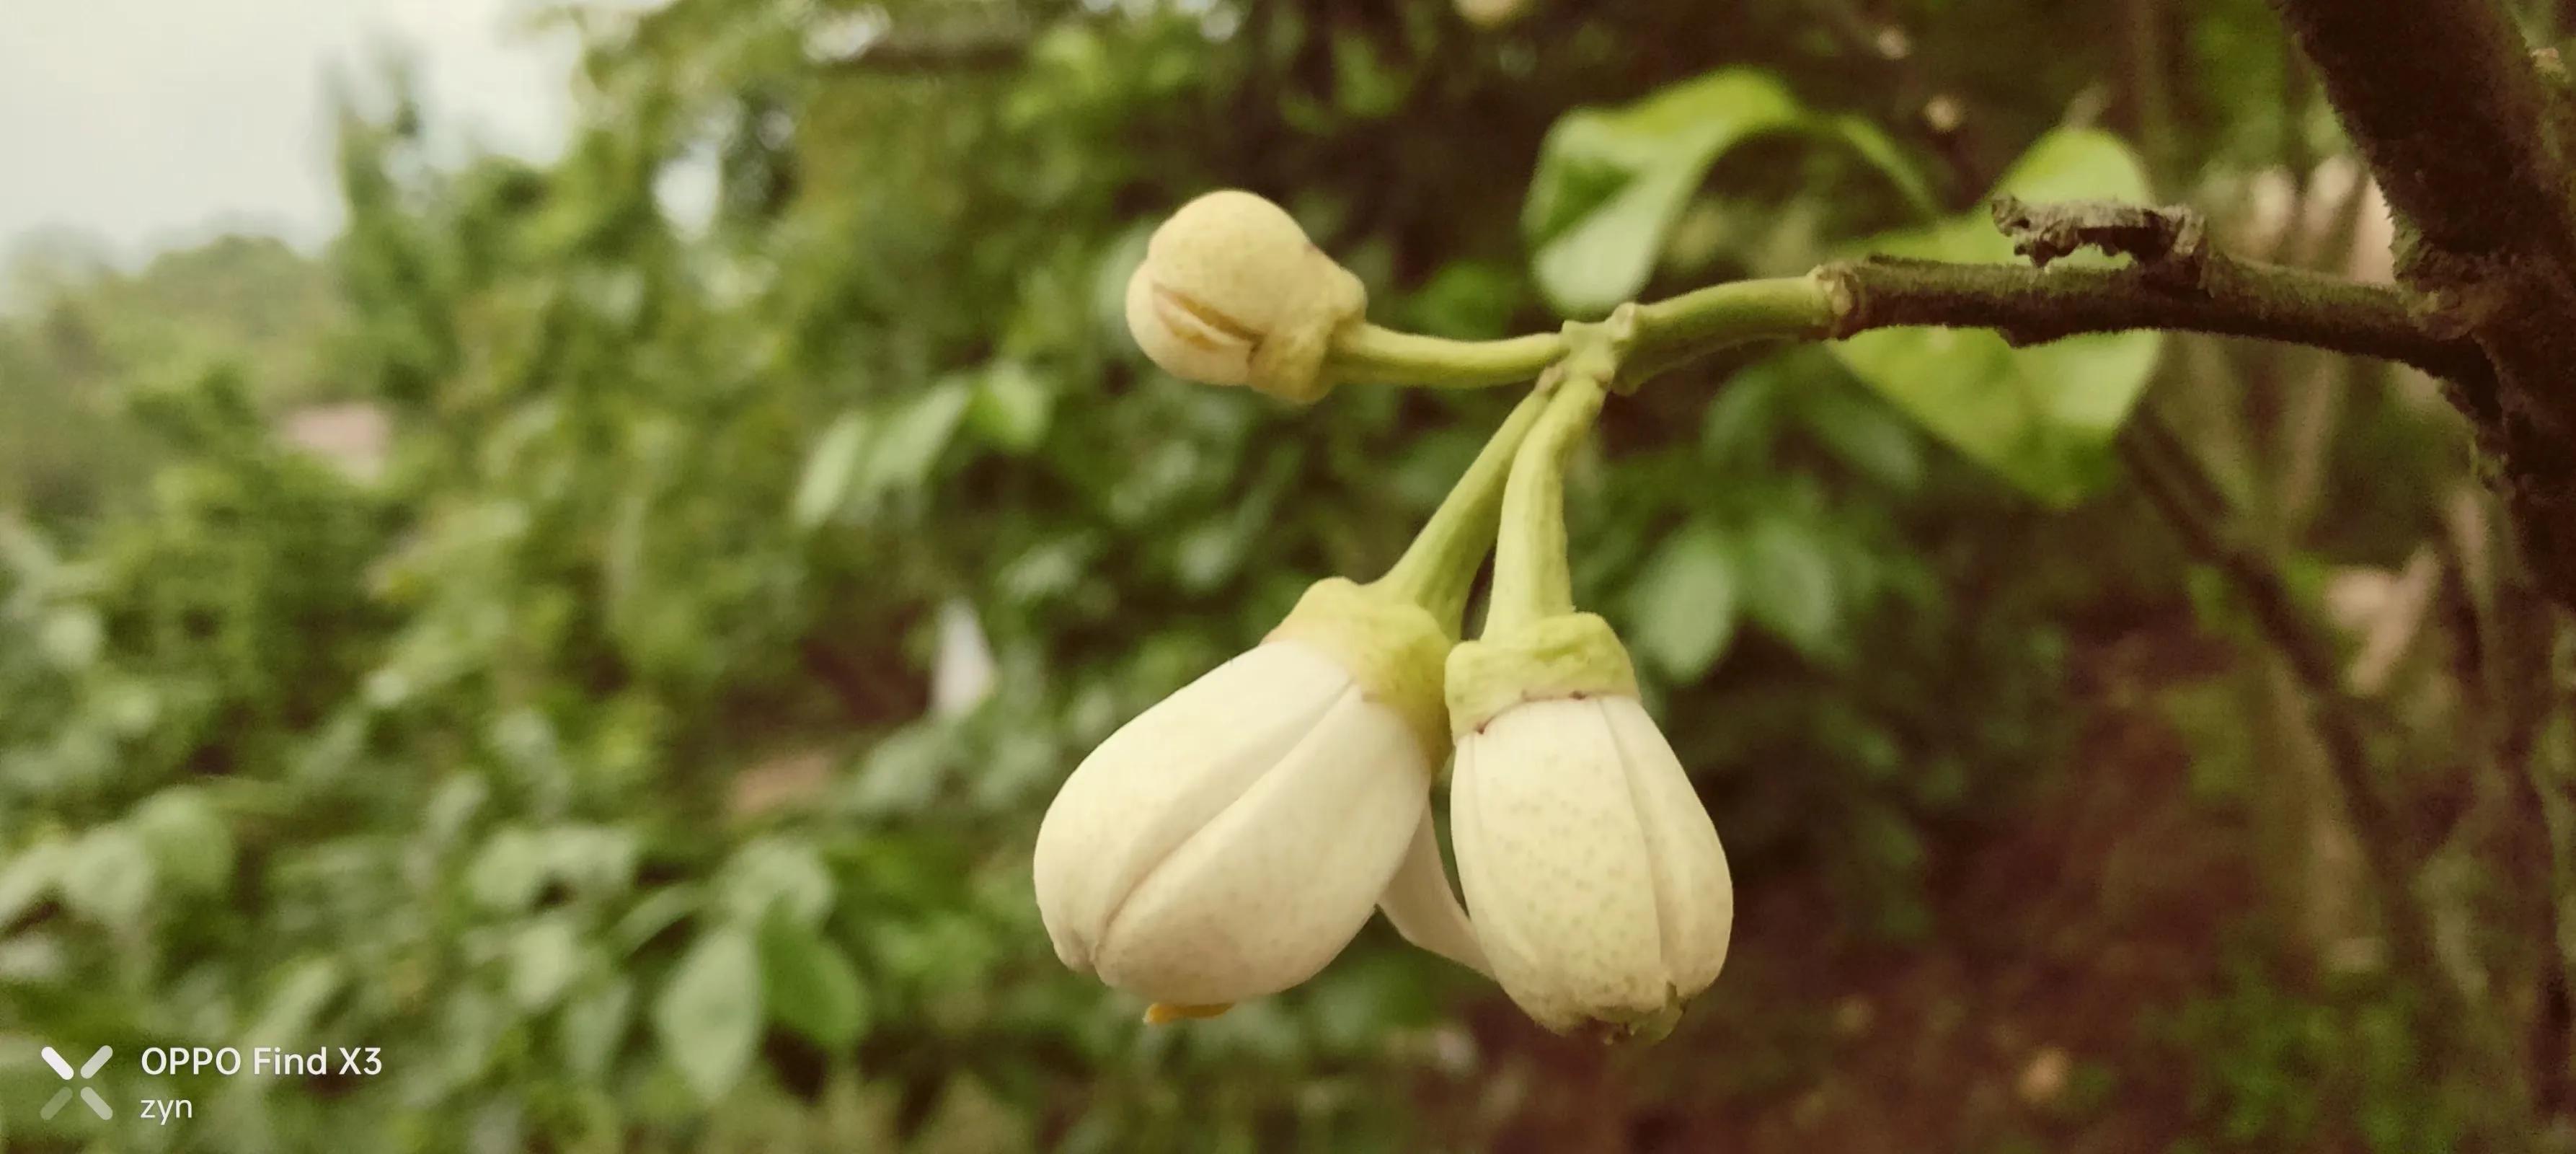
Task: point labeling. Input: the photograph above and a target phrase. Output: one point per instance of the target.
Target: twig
(2519, 694)
(2208, 293)
(2177, 282)
(2193, 505)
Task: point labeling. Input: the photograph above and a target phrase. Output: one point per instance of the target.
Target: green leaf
(1738, 426)
(1789, 589)
(658, 911)
(71, 638)
(2074, 164)
(1469, 300)
(1117, 264)
(294, 1003)
(776, 875)
(190, 844)
(810, 985)
(1611, 182)
(828, 470)
(709, 1015)
(29, 876)
(544, 959)
(2043, 417)
(1871, 144)
(1865, 435)
(592, 859)
(1011, 408)
(591, 1026)
(452, 808)
(508, 873)
(901, 455)
(107, 876)
(1682, 607)
(1364, 85)
(903, 774)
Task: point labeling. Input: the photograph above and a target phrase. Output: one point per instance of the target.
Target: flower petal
(1554, 863)
(1180, 339)
(1420, 905)
(1271, 889)
(1694, 894)
(1164, 776)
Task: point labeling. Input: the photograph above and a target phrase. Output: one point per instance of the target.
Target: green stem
(1668, 332)
(1736, 313)
(2203, 293)
(1531, 577)
(1437, 570)
(1388, 357)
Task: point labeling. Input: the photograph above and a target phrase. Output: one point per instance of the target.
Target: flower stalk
(1438, 568)
(1666, 333)
(1531, 577)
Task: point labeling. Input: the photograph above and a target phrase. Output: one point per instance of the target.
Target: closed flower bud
(1232, 839)
(1232, 293)
(1594, 877)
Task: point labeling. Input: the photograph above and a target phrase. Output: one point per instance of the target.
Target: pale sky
(151, 122)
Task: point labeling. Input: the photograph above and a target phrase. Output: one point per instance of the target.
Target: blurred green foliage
(643, 744)
(2271, 1061)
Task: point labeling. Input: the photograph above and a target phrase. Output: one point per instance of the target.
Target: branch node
(1842, 298)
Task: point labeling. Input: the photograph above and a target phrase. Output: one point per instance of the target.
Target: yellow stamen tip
(1164, 1013)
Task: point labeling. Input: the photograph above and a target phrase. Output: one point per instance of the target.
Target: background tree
(2137, 741)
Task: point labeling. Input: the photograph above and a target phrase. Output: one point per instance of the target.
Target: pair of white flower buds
(1231, 840)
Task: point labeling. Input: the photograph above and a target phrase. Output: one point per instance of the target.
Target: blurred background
(573, 544)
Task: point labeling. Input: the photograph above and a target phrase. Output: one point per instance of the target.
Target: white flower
(1231, 840)
(1593, 874)
(1232, 293)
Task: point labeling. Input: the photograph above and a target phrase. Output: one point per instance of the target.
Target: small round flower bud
(1232, 293)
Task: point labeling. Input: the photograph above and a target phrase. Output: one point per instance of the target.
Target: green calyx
(1548, 659)
(1393, 648)
(1396, 634)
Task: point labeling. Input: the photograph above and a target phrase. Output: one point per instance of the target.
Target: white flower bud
(1594, 877)
(1232, 293)
(1229, 841)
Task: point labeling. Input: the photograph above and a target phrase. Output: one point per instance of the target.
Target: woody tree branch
(2177, 281)
(2463, 130)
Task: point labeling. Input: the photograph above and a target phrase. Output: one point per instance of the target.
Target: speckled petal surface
(1554, 863)
(1694, 894)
